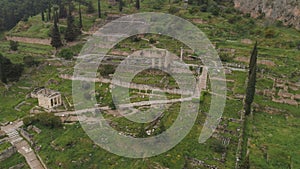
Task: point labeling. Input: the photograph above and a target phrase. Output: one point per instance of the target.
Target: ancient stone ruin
(48, 99)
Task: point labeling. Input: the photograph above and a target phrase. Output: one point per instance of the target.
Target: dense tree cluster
(9, 71)
(12, 11)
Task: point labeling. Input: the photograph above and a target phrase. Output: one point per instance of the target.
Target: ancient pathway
(202, 83)
(22, 146)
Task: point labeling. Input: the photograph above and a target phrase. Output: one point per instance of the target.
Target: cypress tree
(71, 33)
(121, 3)
(250, 91)
(43, 16)
(55, 36)
(49, 12)
(99, 9)
(62, 11)
(137, 4)
(80, 15)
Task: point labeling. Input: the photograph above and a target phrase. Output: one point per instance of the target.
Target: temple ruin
(48, 99)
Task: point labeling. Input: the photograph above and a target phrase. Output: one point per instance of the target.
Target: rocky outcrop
(287, 11)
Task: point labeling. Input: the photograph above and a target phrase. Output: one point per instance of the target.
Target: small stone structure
(47, 98)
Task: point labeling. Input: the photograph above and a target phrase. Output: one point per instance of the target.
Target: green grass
(274, 134)
(273, 141)
(59, 146)
(4, 146)
(33, 28)
(14, 160)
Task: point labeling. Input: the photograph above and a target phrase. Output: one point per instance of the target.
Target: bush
(194, 10)
(225, 57)
(29, 61)
(202, 96)
(157, 4)
(66, 54)
(203, 8)
(230, 10)
(135, 39)
(234, 19)
(173, 10)
(152, 41)
(106, 70)
(112, 105)
(269, 33)
(13, 45)
(44, 119)
(90, 9)
(218, 147)
(214, 9)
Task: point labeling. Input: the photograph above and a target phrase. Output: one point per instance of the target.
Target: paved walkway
(22, 146)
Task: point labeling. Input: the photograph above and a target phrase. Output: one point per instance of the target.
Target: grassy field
(272, 137)
(59, 147)
(14, 160)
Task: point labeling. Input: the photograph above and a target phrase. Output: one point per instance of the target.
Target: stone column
(181, 54)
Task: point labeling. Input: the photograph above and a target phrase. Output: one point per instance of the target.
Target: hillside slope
(287, 11)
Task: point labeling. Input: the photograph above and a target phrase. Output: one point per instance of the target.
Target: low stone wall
(7, 153)
(27, 136)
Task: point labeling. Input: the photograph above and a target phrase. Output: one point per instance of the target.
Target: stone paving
(22, 146)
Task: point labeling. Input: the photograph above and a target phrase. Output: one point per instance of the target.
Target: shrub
(106, 70)
(234, 19)
(230, 10)
(225, 57)
(29, 61)
(13, 45)
(203, 8)
(173, 10)
(90, 9)
(214, 9)
(194, 10)
(135, 39)
(112, 105)
(44, 119)
(269, 33)
(66, 54)
(218, 147)
(152, 41)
